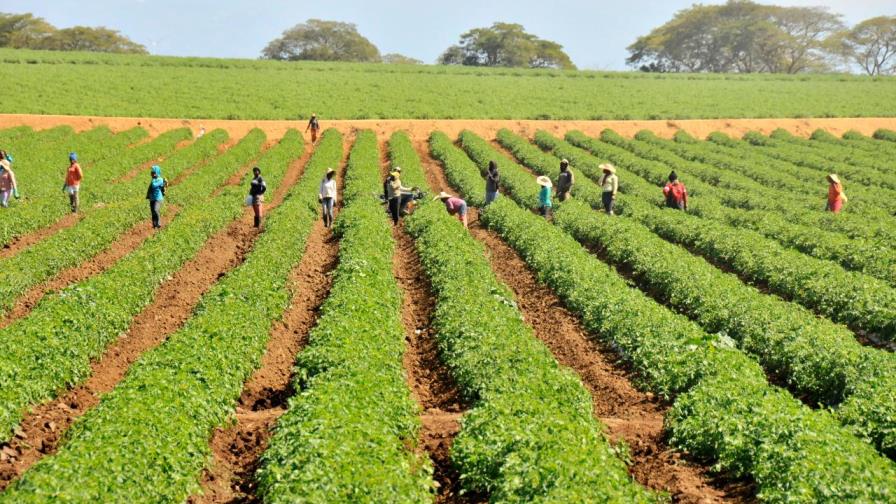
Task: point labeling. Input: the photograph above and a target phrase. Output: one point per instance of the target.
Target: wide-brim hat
(544, 181)
(442, 195)
(608, 167)
(834, 178)
(397, 169)
(330, 170)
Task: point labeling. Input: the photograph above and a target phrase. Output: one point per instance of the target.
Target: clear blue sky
(595, 33)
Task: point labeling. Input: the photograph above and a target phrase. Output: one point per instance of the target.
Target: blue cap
(72, 156)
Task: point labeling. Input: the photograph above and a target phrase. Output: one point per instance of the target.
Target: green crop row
(52, 347)
(350, 433)
(800, 456)
(43, 201)
(885, 134)
(846, 151)
(863, 302)
(819, 360)
(530, 434)
(853, 139)
(13, 134)
(102, 226)
(148, 439)
(859, 253)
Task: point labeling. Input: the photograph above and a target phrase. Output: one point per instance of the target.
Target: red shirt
(74, 175)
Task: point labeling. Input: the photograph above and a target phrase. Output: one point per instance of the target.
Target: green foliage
(885, 134)
(871, 45)
(321, 40)
(530, 435)
(52, 347)
(45, 82)
(506, 45)
(350, 433)
(147, 440)
(24, 31)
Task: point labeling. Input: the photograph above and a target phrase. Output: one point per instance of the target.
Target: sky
(594, 33)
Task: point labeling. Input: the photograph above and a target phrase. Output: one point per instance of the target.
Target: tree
(739, 36)
(400, 59)
(85, 38)
(23, 30)
(508, 45)
(871, 44)
(323, 41)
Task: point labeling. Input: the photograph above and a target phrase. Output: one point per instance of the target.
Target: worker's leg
(256, 210)
(607, 199)
(463, 214)
(154, 212)
(394, 205)
(313, 135)
(4, 198)
(73, 198)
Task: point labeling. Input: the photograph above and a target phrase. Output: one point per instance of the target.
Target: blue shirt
(544, 197)
(154, 193)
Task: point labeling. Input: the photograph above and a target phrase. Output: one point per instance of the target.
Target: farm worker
(565, 181)
(609, 182)
(257, 188)
(327, 196)
(314, 126)
(73, 181)
(393, 195)
(201, 132)
(155, 193)
(676, 193)
(454, 205)
(544, 196)
(7, 179)
(389, 181)
(492, 177)
(836, 196)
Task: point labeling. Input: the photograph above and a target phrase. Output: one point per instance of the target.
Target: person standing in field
(454, 206)
(565, 181)
(155, 193)
(544, 196)
(7, 180)
(393, 195)
(257, 188)
(836, 196)
(609, 182)
(73, 181)
(314, 126)
(492, 178)
(327, 196)
(676, 193)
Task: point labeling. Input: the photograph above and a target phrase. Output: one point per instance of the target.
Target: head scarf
(156, 170)
(72, 157)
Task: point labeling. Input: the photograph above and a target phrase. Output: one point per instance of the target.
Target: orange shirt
(835, 193)
(74, 175)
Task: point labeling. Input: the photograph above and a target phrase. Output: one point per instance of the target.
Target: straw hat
(564, 162)
(607, 167)
(330, 170)
(442, 195)
(397, 169)
(834, 178)
(395, 174)
(544, 181)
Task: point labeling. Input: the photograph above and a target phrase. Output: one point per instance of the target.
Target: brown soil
(236, 448)
(22, 242)
(629, 415)
(421, 128)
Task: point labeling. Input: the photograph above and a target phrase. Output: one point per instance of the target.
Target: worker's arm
(615, 186)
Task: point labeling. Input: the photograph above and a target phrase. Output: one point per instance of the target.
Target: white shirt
(328, 189)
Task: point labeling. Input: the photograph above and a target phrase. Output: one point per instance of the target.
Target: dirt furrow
(629, 415)
(42, 429)
(24, 241)
(236, 449)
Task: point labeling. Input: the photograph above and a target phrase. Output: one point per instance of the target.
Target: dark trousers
(545, 212)
(609, 202)
(154, 208)
(395, 209)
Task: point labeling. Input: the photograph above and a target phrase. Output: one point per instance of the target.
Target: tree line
(26, 31)
(745, 37)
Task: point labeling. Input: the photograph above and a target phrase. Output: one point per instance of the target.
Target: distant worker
(155, 193)
(544, 196)
(454, 205)
(565, 181)
(314, 126)
(201, 132)
(73, 181)
(257, 188)
(836, 196)
(676, 193)
(327, 196)
(492, 177)
(7, 179)
(393, 194)
(609, 182)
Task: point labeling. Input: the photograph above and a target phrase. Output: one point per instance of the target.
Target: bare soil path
(629, 415)
(236, 449)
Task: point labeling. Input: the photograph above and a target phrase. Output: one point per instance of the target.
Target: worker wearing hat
(327, 196)
(454, 205)
(314, 126)
(544, 196)
(393, 190)
(73, 178)
(836, 196)
(609, 183)
(565, 181)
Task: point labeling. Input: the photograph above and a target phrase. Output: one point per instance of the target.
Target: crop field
(42, 82)
(741, 351)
